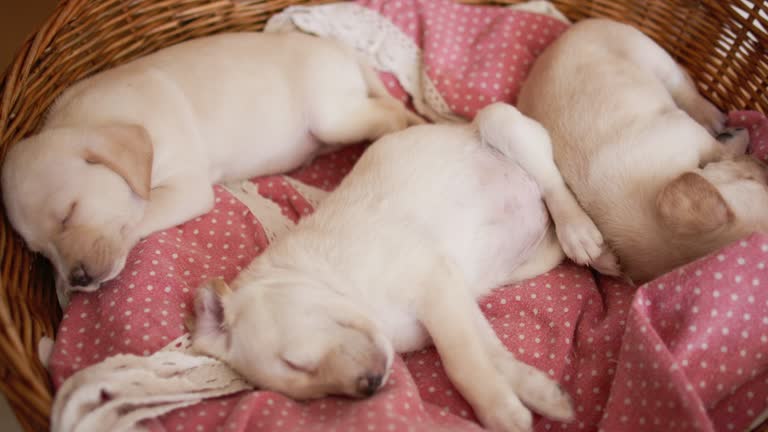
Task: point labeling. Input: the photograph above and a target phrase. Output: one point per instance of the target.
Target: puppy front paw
(505, 414)
(535, 388)
(543, 394)
(553, 402)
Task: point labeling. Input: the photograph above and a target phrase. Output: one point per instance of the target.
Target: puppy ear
(210, 331)
(126, 150)
(691, 205)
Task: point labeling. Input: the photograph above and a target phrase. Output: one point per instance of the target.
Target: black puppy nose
(729, 133)
(722, 136)
(80, 277)
(368, 384)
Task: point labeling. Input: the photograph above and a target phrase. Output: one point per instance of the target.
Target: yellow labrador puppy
(634, 141)
(135, 149)
(428, 220)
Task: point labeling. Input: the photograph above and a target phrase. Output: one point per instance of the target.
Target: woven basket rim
(725, 50)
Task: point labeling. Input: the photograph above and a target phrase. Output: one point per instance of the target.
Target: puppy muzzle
(79, 277)
(369, 383)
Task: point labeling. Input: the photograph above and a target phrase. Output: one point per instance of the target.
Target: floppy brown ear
(690, 204)
(210, 332)
(126, 150)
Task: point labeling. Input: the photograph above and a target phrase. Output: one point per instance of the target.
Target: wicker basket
(724, 44)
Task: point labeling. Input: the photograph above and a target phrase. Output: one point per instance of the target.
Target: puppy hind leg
(366, 119)
(378, 91)
(686, 96)
(647, 54)
(446, 309)
(527, 143)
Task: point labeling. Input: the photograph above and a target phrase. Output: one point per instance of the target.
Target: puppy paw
(536, 389)
(505, 414)
(544, 395)
(708, 116)
(607, 263)
(580, 239)
(735, 140)
(554, 403)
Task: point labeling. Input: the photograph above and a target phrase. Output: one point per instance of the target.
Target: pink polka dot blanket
(687, 351)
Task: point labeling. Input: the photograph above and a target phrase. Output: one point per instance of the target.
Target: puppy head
(711, 207)
(303, 341)
(76, 194)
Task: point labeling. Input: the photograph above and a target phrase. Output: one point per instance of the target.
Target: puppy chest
(403, 329)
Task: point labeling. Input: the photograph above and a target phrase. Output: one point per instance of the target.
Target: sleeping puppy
(428, 220)
(634, 141)
(135, 149)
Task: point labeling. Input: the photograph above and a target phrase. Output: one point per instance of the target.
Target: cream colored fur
(394, 259)
(634, 141)
(135, 149)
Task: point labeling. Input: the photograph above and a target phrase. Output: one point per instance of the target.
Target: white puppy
(428, 220)
(135, 149)
(632, 138)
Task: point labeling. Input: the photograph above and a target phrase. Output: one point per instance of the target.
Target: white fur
(428, 220)
(224, 107)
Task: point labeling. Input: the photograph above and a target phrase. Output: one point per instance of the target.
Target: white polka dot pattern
(474, 55)
(694, 349)
(685, 352)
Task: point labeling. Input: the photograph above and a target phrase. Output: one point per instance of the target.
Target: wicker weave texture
(723, 43)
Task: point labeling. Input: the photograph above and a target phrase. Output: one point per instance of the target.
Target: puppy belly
(505, 233)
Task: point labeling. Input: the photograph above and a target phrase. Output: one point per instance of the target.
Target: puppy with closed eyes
(639, 147)
(429, 219)
(135, 149)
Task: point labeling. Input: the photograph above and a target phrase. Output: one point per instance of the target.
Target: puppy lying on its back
(428, 220)
(135, 149)
(632, 138)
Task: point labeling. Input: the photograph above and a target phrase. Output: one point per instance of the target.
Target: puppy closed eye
(305, 369)
(355, 326)
(69, 215)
